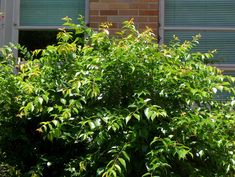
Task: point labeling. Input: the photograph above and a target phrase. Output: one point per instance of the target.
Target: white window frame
(225, 67)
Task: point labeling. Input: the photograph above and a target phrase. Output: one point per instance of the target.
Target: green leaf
(49, 109)
(63, 101)
(91, 124)
(233, 103)
(148, 113)
(214, 90)
(147, 174)
(220, 88)
(126, 156)
(137, 116)
(153, 116)
(29, 107)
(50, 126)
(118, 168)
(50, 137)
(40, 100)
(155, 139)
(55, 122)
(182, 153)
(123, 162)
(113, 172)
(46, 98)
(128, 118)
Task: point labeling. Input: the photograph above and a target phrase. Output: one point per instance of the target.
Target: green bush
(115, 106)
(8, 171)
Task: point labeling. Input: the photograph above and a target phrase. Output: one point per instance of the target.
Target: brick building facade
(144, 12)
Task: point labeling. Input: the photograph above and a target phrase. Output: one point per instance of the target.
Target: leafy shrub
(115, 106)
(8, 171)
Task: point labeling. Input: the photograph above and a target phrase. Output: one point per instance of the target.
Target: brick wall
(144, 12)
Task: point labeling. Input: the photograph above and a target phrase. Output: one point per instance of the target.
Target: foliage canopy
(115, 106)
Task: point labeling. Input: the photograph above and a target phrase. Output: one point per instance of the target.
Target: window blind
(223, 42)
(49, 12)
(212, 15)
(200, 13)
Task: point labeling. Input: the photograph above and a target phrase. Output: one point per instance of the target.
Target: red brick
(94, 12)
(115, 1)
(97, 19)
(150, 25)
(118, 6)
(153, 6)
(119, 19)
(153, 19)
(148, 0)
(109, 12)
(128, 12)
(140, 19)
(94, 25)
(139, 6)
(148, 12)
(98, 6)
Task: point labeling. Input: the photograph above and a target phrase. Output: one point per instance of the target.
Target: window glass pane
(49, 12)
(37, 39)
(222, 41)
(200, 13)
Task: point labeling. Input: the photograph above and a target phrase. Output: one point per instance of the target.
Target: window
(35, 22)
(39, 20)
(36, 39)
(213, 19)
(46, 13)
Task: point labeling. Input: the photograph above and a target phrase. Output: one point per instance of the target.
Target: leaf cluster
(99, 105)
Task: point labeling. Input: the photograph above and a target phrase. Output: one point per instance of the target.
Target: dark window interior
(37, 39)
